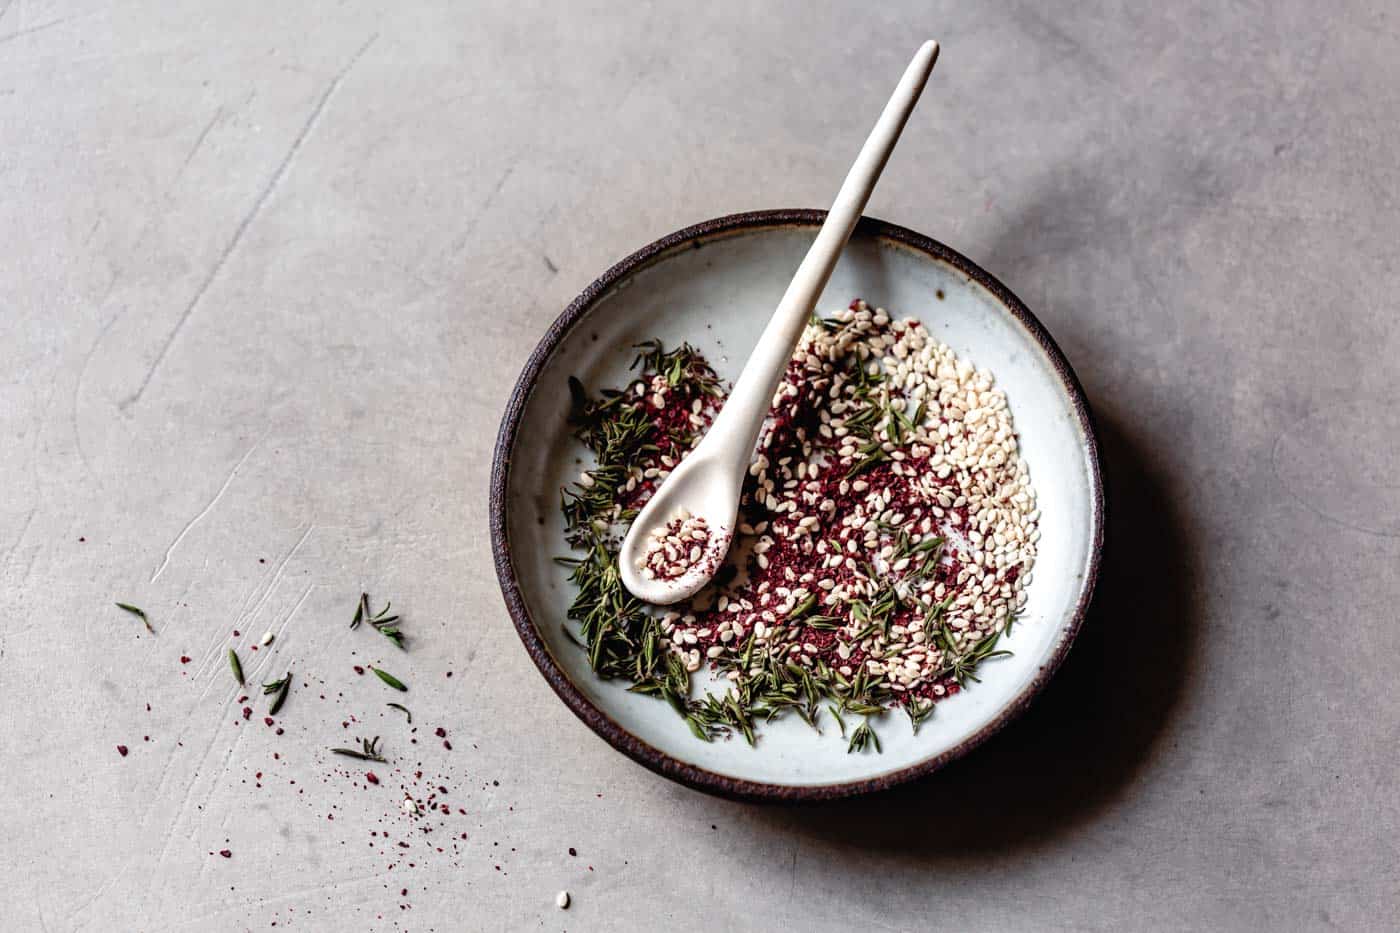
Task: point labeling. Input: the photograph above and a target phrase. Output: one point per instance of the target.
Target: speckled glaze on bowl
(715, 285)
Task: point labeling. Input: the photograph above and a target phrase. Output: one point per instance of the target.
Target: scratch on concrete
(82, 374)
(1065, 45)
(265, 658)
(246, 618)
(1306, 501)
(253, 594)
(485, 206)
(31, 30)
(209, 507)
(281, 568)
(200, 770)
(339, 885)
(263, 197)
(24, 530)
(199, 140)
(75, 909)
(296, 608)
(29, 567)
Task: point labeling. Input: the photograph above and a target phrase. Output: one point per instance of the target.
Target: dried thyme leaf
(863, 738)
(280, 688)
(918, 712)
(368, 751)
(837, 716)
(136, 611)
(380, 621)
(389, 679)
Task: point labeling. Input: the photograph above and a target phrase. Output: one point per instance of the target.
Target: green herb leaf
(839, 721)
(368, 751)
(235, 666)
(280, 688)
(389, 679)
(863, 738)
(918, 711)
(403, 709)
(139, 614)
(380, 621)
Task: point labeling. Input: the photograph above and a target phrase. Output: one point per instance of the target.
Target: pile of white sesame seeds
(889, 527)
(678, 548)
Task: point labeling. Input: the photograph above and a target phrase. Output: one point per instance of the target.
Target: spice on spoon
(679, 548)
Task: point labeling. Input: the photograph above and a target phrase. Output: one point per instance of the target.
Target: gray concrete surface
(269, 271)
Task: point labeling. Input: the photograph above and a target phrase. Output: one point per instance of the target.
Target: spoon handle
(742, 417)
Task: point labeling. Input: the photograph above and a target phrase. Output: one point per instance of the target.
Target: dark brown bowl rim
(623, 740)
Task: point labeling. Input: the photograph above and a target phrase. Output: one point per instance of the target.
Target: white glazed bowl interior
(717, 293)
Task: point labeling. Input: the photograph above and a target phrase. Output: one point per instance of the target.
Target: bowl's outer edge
(646, 754)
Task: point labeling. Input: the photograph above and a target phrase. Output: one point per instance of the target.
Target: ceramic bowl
(715, 285)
